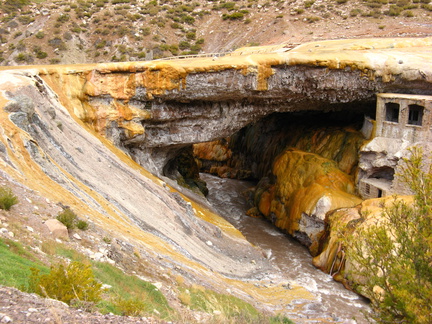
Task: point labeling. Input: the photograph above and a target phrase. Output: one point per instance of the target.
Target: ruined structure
(402, 120)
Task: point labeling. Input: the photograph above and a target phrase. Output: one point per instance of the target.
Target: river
(292, 259)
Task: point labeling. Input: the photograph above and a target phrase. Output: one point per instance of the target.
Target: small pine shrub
(184, 45)
(76, 281)
(7, 198)
(41, 55)
(40, 35)
(191, 35)
(82, 225)
(68, 218)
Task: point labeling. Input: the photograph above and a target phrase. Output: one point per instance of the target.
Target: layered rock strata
(152, 109)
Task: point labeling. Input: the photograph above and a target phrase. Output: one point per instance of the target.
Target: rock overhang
(166, 104)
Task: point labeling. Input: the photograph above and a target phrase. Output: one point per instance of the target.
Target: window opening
(415, 115)
(380, 193)
(392, 112)
(367, 188)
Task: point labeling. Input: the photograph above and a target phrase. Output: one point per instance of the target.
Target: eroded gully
(292, 260)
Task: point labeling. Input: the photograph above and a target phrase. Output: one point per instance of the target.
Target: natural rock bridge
(152, 109)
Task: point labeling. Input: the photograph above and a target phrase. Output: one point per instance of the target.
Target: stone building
(401, 121)
(402, 116)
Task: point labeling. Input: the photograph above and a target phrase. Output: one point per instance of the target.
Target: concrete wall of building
(404, 128)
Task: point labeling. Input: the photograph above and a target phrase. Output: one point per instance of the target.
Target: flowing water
(293, 259)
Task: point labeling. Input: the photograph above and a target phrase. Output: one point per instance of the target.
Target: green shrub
(188, 19)
(191, 35)
(393, 257)
(63, 18)
(76, 281)
(184, 45)
(68, 218)
(82, 225)
(41, 55)
(228, 5)
(40, 35)
(233, 16)
(146, 31)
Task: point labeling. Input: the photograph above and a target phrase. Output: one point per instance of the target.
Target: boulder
(57, 229)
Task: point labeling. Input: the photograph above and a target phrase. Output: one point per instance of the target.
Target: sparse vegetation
(68, 218)
(7, 198)
(109, 23)
(393, 258)
(66, 283)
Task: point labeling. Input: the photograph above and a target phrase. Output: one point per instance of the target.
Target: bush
(63, 18)
(188, 19)
(24, 57)
(191, 35)
(41, 55)
(7, 198)
(40, 35)
(184, 45)
(233, 16)
(393, 258)
(76, 281)
(82, 225)
(129, 307)
(68, 218)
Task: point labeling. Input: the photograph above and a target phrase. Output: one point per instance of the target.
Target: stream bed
(287, 255)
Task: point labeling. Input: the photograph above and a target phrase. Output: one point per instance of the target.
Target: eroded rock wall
(48, 150)
(153, 109)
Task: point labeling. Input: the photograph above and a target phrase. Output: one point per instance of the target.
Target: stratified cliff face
(44, 147)
(152, 109)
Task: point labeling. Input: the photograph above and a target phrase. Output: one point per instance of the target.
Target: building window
(367, 189)
(392, 112)
(415, 115)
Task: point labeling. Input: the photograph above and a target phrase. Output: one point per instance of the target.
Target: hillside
(66, 32)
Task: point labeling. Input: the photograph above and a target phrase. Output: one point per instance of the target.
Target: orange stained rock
(349, 221)
(213, 151)
(302, 179)
(406, 58)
